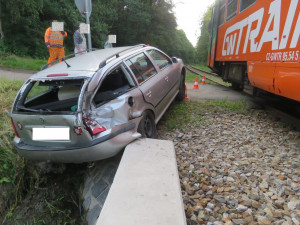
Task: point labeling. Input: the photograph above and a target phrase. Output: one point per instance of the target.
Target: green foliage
(236, 106)
(133, 21)
(202, 67)
(11, 164)
(182, 47)
(203, 41)
(19, 179)
(13, 61)
(152, 22)
(190, 77)
(8, 90)
(189, 112)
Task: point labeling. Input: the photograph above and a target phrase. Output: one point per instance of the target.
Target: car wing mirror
(174, 60)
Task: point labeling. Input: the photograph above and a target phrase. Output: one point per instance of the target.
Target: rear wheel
(147, 127)
(236, 86)
(181, 94)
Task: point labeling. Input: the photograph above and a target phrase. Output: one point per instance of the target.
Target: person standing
(54, 41)
(79, 42)
(107, 44)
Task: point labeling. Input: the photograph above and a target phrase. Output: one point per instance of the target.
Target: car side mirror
(174, 60)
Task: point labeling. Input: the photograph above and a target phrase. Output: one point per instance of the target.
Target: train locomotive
(254, 44)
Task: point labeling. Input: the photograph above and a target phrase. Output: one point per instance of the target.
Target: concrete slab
(146, 188)
(16, 74)
(214, 92)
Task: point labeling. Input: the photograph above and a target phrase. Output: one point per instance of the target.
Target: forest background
(23, 24)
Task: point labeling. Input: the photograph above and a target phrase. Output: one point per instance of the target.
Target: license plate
(51, 134)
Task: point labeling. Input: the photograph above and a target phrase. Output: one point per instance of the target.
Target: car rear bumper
(101, 148)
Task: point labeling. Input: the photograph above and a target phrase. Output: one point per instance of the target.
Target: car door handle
(167, 79)
(148, 94)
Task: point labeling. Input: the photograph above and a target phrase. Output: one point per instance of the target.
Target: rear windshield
(50, 96)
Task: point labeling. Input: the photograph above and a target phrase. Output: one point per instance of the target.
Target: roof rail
(117, 55)
(64, 58)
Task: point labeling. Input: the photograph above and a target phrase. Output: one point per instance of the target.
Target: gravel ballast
(238, 169)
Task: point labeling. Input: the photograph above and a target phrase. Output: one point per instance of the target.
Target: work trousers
(56, 53)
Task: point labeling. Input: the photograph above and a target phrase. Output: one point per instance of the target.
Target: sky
(189, 14)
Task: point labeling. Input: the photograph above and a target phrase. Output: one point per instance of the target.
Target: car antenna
(63, 59)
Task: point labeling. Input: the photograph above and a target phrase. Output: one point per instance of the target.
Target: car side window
(160, 59)
(141, 67)
(113, 85)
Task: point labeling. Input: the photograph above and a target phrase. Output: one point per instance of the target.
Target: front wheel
(147, 127)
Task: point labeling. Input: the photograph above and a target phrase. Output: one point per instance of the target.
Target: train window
(245, 4)
(231, 9)
(222, 12)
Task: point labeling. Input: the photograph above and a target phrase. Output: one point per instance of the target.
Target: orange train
(255, 45)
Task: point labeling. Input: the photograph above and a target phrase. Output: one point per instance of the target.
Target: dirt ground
(16, 74)
(214, 92)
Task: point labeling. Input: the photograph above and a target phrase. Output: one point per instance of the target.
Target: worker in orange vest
(54, 41)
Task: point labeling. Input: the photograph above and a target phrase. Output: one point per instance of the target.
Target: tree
(151, 22)
(1, 30)
(133, 21)
(203, 41)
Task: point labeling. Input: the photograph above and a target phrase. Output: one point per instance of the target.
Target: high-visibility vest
(54, 38)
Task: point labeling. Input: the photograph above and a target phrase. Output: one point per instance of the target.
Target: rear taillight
(58, 75)
(94, 126)
(77, 130)
(13, 125)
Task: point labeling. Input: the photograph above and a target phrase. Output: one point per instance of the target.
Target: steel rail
(203, 71)
(198, 72)
(265, 103)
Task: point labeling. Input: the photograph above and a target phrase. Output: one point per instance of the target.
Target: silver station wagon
(90, 107)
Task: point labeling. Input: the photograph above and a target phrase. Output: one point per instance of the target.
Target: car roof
(86, 64)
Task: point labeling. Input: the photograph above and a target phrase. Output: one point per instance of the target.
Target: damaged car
(90, 107)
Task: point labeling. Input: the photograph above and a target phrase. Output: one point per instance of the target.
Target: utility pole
(87, 17)
(85, 9)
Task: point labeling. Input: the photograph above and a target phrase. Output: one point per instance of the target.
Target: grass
(16, 62)
(48, 198)
(192, 112)
(202, 67)
(11, 164)
(190, 77)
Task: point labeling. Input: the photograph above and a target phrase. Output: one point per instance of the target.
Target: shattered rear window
(50, 96)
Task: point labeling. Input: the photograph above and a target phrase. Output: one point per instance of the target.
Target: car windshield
(50, 96)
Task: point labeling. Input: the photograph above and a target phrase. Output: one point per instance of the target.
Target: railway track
(203, 71)
(208, 75)
(284, 110)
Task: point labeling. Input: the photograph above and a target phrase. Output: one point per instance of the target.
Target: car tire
(147, 127)
(181, 94)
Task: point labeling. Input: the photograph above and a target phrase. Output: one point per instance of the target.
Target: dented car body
(90, 107)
